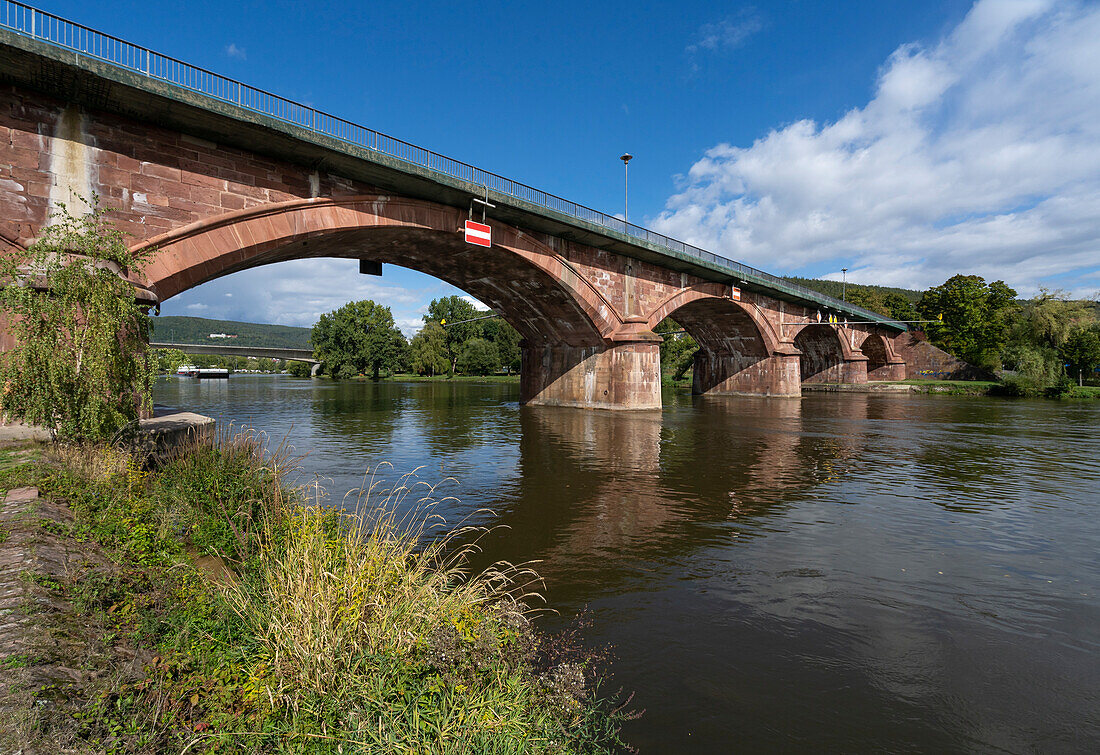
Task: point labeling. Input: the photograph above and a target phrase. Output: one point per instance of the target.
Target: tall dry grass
(333, 590)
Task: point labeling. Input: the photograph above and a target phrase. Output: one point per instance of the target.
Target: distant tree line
(170, 360)
(1043, 342)
(181, 329)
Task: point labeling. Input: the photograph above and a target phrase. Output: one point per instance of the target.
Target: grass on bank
(316, 632)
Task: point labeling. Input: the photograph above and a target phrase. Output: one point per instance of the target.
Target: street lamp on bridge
(626, 157)
(844, 284)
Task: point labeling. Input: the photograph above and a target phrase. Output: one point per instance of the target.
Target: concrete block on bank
(160, 435)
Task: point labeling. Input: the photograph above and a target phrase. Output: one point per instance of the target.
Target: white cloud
(298, 292)
(236, 52)
(979, 153)
(729, 33)
(477, 304)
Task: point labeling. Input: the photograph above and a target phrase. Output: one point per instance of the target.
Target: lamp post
(626, 157)
(844, 284)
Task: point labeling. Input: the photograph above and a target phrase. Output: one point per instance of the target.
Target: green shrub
(478, 357)
(299, 369)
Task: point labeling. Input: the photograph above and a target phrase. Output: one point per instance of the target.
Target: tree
(478, 357)
(868, 298)
(79, 365)
(1049, 318)
(506, 339)
(900, 308)
(677, 350)
(975, 317)
(1082, 350)
(299, 369)
(428, 350)
(454, 313)
(358, 338)
(167, 361)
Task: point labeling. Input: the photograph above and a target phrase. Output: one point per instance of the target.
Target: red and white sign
(735, 293)
(479, 234)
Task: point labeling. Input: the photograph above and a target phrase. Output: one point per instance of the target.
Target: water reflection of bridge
(594, 485)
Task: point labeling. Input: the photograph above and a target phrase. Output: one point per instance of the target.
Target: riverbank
(944, 387)
(205, 604)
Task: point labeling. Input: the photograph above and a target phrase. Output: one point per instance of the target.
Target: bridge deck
(52, 54)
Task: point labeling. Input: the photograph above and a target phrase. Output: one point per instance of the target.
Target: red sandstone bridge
(222, 177)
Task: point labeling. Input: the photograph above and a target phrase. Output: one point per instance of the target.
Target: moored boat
(190, 370)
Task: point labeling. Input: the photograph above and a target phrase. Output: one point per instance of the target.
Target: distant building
(221, 335)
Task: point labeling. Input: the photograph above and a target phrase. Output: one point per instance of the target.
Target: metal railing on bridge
(47, 27)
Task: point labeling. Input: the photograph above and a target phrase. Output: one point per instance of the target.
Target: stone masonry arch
(739, 353)
(827, 355)
(883, 363)
(576, 350)
(517, 276)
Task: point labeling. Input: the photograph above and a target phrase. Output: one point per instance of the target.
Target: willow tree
(78, 366)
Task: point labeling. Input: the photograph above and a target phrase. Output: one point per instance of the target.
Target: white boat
(190, 370)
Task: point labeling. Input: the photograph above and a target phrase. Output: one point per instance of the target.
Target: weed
(21, 660)
(41, 580)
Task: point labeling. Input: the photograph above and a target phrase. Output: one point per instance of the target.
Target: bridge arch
(825, 354)
(739, 350)
(535, 291)
(877, 351)
(577, 350)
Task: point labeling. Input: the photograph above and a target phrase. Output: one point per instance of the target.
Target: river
(839, 573)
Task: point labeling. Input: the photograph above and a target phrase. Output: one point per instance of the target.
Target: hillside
(177, 329)
(835, 288)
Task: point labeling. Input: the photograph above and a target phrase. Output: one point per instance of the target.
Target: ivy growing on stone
(79, 365)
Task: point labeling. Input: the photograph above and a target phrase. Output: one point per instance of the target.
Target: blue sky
(906, 141)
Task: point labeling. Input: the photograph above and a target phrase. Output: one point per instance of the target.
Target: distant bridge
(258, 352)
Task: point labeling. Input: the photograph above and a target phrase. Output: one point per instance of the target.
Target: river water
(839, 573)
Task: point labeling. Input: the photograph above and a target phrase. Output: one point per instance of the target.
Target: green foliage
(299, 369)
(179, 329)
(478, 357)
(428, 350)
(323, 633)
(358, 338)
(454, 314)
(79, 365)
(1047, 320)
(506, 340)
(1081, 349)
(900, 307)
(167, 361)
(677, 350)
(975, 316)
(884, 301)
(836, 288)
(867, 297)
